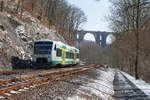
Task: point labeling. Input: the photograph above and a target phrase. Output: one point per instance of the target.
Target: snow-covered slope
(141, 84)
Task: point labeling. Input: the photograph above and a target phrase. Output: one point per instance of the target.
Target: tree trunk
(32, 5)
(2, 6)
(137, 56)
(18, 5)
(21, 8)
(137, 42)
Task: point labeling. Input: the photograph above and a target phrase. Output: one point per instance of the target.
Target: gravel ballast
(96, 84)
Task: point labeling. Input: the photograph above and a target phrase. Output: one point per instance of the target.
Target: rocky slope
(17, 36)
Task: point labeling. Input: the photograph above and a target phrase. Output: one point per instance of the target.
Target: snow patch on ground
(101, 87)
(75, 98)
(20, 31)
(1, 97)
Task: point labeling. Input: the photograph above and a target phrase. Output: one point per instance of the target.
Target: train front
(42, 52)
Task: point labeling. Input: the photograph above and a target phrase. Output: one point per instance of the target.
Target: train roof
(43, 40)
(58, 42)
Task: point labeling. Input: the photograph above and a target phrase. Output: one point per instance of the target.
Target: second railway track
(126, 90)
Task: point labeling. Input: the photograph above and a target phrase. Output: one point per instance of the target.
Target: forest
(65, 18)
(130, 21)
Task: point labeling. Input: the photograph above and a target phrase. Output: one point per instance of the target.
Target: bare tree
(131, 16)
(61, 15)
(66, 18)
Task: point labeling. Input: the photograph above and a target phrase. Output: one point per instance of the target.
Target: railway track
(126, 90)
(10, 72)
(20, 71)
(7, 86)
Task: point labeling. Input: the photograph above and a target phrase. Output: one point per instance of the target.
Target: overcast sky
(95, 12)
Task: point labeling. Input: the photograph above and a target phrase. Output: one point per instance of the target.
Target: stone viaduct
(100, 37)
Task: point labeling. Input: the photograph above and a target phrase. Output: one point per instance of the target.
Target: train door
(75, 57)
(63, 55)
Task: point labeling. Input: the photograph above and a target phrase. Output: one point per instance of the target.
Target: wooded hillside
(130, 20)
(55, 14)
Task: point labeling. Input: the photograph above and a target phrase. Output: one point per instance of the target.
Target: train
(52, 53)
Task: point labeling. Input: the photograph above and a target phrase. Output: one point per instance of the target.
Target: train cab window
(58, 52)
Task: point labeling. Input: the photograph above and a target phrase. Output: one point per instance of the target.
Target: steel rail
(31, 77)
(10, 72)
(35, 76)
(60, 75)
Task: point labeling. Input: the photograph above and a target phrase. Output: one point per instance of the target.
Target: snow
(20, 31)
(8, 94)
(145, 87)
(32, 86)
(75, 98)
(20, 90)
(26, 88)
(1, 97)
(1, 44)
(14, 92)
(9, 16)
(102, 86)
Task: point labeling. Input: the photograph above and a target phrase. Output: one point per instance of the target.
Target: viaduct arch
(100, 37)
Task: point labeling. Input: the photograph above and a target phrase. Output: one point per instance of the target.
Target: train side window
(77, 55)
(72, 56)
(59, 53)
(55, 47)
(67, 54)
